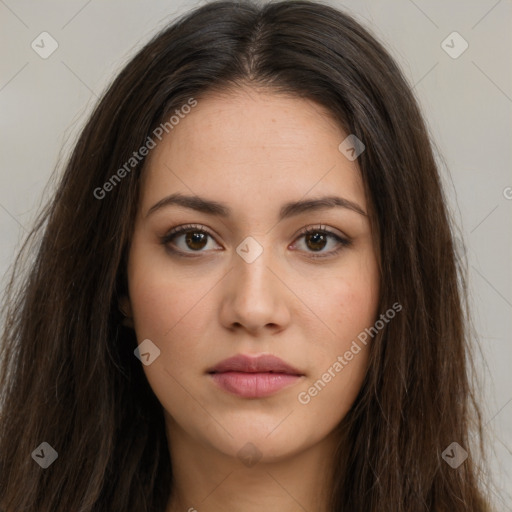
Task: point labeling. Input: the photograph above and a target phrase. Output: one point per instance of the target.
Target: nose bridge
(251, 262)
(256, 297)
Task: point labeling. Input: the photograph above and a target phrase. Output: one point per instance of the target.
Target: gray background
(467, 102)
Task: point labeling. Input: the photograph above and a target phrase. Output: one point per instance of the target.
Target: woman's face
(254, 284)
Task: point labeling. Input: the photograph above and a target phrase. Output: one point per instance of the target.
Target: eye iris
(193, 237)
(316, 237)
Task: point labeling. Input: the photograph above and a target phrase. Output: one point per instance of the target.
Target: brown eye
(316, 239)
(194, 238)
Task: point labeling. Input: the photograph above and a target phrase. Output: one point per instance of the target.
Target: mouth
(254, 377)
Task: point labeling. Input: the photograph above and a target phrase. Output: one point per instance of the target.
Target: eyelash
(180, 230)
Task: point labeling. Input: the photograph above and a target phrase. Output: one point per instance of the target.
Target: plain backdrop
(466, 101)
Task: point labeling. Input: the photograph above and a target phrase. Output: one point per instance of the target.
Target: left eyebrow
(288, 210)
(308, 205)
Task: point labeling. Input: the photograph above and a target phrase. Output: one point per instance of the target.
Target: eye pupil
(193, 237)
(316, 237)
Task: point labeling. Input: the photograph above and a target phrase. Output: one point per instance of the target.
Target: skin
(252, 150)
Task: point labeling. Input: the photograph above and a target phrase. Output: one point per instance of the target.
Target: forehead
(249, 146)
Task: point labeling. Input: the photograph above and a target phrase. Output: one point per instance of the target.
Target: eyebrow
(288, 210)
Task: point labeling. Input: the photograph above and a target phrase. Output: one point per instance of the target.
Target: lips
(258, 364)
(254, 377)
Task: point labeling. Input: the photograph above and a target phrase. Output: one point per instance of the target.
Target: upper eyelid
(179, 230)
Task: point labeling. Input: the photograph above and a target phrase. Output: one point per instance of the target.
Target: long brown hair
(69, 376)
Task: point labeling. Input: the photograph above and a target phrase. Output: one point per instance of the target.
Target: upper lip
(254, 364)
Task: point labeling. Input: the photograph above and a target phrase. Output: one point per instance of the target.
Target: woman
(246, 294)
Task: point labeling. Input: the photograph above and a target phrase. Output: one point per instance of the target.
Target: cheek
(166, 312)
(155, 305)
(351, 300)
(348, 304)
(160, 299)
(170, 309)
(350, 307)
(168, 316)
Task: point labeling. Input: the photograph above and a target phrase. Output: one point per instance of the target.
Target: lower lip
(253, 385)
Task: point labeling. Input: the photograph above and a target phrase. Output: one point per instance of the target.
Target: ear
(125, 307)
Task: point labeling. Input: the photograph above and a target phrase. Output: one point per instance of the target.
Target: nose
(255, 297)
